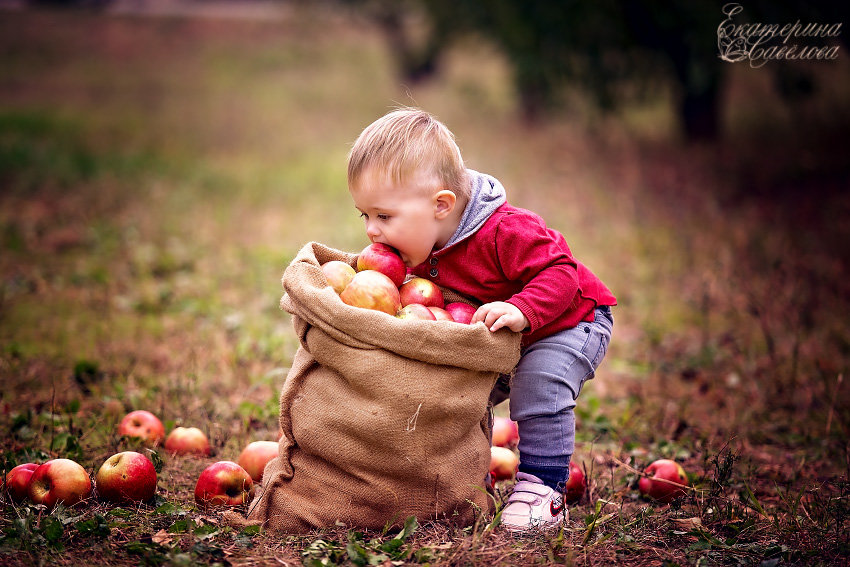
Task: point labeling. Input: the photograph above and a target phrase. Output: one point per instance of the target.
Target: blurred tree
(610, 47)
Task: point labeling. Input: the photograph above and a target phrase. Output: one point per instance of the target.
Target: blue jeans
(543, 393)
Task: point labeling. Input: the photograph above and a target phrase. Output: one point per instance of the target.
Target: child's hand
(501, 314)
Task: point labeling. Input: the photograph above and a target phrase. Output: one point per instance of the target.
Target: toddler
(454, 226)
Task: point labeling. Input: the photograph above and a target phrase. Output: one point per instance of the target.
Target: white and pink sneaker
(533, 505)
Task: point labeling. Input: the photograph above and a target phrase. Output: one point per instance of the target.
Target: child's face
(403, 215)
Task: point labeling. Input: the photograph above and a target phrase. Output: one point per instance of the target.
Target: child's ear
(444, 203)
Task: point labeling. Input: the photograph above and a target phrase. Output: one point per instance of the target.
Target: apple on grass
(370, 289)
(338, 274)
(461, 312)
(187, 440)
(125, 478)
(576, 485)
(384, 259)
(223, 484)
(420, 290)
(256, 455)
(18, 481)
(144, 425)
(505, 432)
(665, 481)
(503, 463)
(59, 480)
(440, 314)
(416, 311)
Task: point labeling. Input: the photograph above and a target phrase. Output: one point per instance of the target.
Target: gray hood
(486, 196)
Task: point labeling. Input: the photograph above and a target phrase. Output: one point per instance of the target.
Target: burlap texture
(382, 418)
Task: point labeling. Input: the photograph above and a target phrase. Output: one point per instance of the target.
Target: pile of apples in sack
(129, 477)
(379, 283)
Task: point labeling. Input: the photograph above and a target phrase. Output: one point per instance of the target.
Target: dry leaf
(162, 537)
(687, 524)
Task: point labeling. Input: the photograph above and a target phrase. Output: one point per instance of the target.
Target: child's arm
(531, 253)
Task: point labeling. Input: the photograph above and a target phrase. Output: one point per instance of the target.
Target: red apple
(505, 432)
(370, 289)
(186, 440)
(384, 259)
(125, 478)
(441, 314)
(503, 463)
(461, 312)
(59, 480)
(223, 484)
(576, 485)
(338, 274)
(416, 311)
(420, 290)
(666, 481)
(255, 457)
(143, 425)
(18, 481)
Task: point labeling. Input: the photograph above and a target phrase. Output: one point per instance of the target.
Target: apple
(186, 440)
(505, 432)
(416, 311)
(371, 289)
(125, 478)
(665, 481)
(59, 480)
(223, 484)
(420, 290)
(18, 481)
(503, 463)
(441, 314)
(384, 259)
(576, 485)
(461, 312)
(338, 274)
(255, 457)
(143, 425)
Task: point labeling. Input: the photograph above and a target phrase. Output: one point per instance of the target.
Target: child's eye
(364, 216)
(383, 217)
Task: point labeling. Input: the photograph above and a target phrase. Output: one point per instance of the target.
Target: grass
(159, 174)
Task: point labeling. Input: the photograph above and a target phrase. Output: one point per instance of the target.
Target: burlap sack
(382, 418)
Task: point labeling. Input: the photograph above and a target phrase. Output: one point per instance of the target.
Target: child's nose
(372, 230)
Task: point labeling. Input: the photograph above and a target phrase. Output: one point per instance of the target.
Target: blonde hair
(404, 141)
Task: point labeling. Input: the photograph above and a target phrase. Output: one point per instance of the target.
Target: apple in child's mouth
(384, 259)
